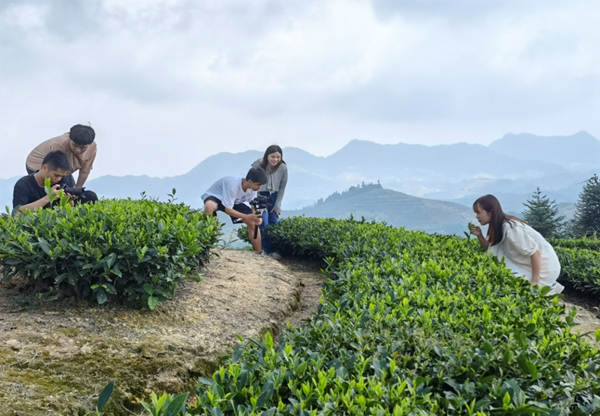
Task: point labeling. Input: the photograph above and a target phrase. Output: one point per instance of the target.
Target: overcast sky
(167, 83)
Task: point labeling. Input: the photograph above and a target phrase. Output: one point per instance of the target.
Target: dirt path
(588, 314)
(56, 359)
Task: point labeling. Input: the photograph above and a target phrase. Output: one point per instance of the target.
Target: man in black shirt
(30, 192)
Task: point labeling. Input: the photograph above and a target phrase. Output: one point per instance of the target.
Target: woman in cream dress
(525, 251)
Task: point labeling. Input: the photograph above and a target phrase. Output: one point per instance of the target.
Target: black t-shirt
(27, 191)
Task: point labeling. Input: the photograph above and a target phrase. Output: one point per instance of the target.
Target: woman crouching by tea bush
(526, 253)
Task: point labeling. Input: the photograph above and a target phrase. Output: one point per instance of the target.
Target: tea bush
(409, 324)
(139, 250)
(580, 268)
(585, 243)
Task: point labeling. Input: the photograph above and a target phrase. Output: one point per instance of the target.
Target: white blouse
(519, 243)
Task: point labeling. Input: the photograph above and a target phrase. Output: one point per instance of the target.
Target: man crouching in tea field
(30, 192)
(231, 195)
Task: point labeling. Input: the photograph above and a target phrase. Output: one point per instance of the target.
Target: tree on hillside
(542, 215)
(587, 209)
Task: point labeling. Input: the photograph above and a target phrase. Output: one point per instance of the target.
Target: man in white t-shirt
(231, 195)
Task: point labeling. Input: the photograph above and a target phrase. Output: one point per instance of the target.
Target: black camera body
(71, 190)
(261, 202)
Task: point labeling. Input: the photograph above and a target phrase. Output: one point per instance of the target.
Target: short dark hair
(257, 175)
(82, 135)
(57, 159)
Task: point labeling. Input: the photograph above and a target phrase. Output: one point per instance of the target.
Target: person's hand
(476, 231)
(254, 218)
(55, 189)
(535, 280)
(276, 212)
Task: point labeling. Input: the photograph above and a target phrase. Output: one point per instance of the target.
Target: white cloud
(168, 82)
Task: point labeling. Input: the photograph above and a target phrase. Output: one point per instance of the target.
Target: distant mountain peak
(579, 151)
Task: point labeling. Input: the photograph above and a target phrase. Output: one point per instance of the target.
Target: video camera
(71, 190)
(261, 203)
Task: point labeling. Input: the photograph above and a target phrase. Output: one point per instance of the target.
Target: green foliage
(166, 405)
(140, 250)
(585, 243)
(410, 324)
(542, 215)
(587, 209)
(580, 268)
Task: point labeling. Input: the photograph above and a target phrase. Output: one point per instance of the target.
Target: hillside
(394, 208)
(457, 172)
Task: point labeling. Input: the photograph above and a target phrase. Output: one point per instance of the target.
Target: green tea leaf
(105, 395)
(152, 302)
(176, 405)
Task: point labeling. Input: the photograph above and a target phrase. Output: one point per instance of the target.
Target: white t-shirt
(229, 191)
(519, 243)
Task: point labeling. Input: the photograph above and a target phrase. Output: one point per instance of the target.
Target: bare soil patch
(57, 359)
(588, 313)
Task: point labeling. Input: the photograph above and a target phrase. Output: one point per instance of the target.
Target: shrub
(585, 243)
(580, 268)
(410, 324)
(140, 250)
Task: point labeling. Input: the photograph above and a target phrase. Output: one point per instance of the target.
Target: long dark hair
(491, 204)
(265, 160)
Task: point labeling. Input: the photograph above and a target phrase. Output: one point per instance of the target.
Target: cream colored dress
(519, 243)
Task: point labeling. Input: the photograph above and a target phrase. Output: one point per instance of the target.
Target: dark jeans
(269, 218)
(68, 180)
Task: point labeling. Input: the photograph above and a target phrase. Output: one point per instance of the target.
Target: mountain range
(510, 167)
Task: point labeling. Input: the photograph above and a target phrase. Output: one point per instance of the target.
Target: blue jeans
(269, 218)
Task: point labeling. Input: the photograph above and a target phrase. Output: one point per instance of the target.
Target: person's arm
(86, 166)
(228, 201)
(476, 231)
(81, 178)
(536, 265)
(281, 190)
(20, 196)
(248, 217)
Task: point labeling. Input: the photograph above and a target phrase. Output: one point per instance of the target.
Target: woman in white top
(525, 251)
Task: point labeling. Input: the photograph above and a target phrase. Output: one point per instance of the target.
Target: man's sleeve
(20, 195)
(89, 162)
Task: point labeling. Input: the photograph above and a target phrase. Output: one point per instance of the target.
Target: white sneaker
(275, 255)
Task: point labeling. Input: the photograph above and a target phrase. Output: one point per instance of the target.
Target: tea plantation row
(581, 243)
(136, 250)
(409, 324)
(580, 268)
